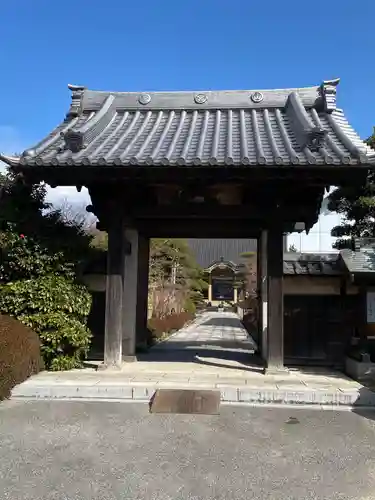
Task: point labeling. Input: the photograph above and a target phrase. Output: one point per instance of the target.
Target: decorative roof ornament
(306, 134)
(257, 97)
(76, 104)
(329, 90)
(73, 140)
(144, 99)
(315, 139)
(200, 98)
(29, 153)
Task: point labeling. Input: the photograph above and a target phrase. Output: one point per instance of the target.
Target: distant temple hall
(223, 261)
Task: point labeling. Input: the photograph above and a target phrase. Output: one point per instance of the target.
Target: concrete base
(282, 370)
(109, 367)
(116, 367)
(360, 370)
(129, 359)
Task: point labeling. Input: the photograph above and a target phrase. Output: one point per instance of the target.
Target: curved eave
(12, 161)
(116, 129)
(226, 264)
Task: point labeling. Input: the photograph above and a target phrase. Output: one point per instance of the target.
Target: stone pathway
(214, 352)
(219, 332)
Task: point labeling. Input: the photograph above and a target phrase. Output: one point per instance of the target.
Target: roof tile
(312, 264)
(272, 127)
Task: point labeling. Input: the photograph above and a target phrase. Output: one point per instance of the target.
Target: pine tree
(357, 206)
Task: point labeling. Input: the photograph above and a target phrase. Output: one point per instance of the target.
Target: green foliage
(357, 206)
(56, 309)
(24, 258)
(42, 255)
(65, 340)
(45, 294)
(23, 210)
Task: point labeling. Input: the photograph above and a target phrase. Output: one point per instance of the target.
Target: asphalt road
(87, 450)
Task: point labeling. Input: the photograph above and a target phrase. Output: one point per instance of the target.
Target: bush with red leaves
(19, 354)
(169, 324)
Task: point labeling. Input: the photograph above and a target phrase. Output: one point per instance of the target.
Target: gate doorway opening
(217, 335)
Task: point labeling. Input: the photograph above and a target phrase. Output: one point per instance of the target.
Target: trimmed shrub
(55, 308)
(168, 324)
(250, 323)
(65, 340)
(20, 354)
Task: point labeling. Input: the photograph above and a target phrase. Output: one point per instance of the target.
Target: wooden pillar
(209, 288)
(130, 284)
(363, 323)
(275, 337)
(142, 289)
(114, 295)
(262, 279)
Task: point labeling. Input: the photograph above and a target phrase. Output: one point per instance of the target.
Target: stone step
(230, 394)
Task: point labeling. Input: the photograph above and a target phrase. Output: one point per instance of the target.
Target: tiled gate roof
(299, 126)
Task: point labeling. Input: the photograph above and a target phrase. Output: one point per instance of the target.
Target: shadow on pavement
(224, 322)
(364, 406)
(236, 352)
(217, 354)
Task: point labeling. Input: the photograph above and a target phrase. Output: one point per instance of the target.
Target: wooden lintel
(319, 175)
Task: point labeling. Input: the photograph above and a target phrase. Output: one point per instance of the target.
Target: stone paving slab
(228, 369)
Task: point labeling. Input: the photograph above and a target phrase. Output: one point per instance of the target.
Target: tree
(42, 254)
(175, 279)
(357, 206)
(250, 275)
(23, 210)
(292, 248)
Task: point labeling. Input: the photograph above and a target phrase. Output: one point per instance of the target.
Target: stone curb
(364, 397)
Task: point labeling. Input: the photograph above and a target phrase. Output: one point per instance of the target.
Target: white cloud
(68, 194)
(319, 238)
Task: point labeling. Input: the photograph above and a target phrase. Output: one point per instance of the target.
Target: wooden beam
(197, 229)
(323, 175)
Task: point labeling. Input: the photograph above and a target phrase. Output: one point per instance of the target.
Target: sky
(177, 45)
